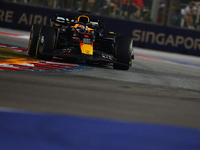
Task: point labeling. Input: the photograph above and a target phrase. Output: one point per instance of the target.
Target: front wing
(98, 56)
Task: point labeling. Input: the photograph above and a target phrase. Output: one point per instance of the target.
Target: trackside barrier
(148, 36)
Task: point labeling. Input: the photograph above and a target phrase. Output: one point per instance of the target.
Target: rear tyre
(34, 34)
(46, 43)
(122, 52)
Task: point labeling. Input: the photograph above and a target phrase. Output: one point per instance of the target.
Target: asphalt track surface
(160, 88)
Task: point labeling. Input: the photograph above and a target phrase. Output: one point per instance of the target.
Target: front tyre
(34, 34)
(46, 43)
(123, 52)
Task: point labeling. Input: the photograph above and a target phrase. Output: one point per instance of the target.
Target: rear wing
(71, 20)
(99, 23)
(62, 19)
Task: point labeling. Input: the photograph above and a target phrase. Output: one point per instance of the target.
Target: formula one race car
(81, 38)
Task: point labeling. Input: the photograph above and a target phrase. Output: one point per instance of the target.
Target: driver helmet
(81, 28)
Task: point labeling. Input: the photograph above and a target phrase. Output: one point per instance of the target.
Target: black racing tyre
(35, 30)
(122, 52)
(46, 43)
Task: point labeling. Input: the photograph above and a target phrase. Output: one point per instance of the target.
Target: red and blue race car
(81, 38)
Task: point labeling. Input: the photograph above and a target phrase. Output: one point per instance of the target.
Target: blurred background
(179, 13)
(167, 25)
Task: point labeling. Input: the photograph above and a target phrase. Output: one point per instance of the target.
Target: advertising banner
(145, 35)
